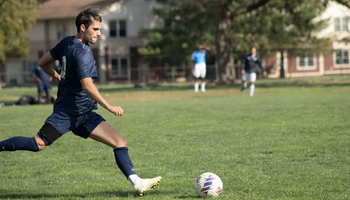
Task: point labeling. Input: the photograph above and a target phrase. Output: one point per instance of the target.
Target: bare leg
(48, 97)
(108, 135)
(40, 96)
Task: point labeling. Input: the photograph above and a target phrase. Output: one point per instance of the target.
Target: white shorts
(250, 76)
(200, 70)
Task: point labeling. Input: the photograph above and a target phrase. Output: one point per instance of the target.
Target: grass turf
(284, 143)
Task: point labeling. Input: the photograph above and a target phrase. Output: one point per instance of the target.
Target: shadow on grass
(103, 194)
(100, 194)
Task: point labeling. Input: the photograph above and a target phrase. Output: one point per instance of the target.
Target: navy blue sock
(19, 143)
(123, 161)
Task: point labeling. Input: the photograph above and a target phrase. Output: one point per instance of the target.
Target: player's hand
(116, 110)
(265, 73)
(243, 71)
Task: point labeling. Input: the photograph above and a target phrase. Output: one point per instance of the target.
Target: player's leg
(40, 92)
(203, 73)
(196, 74)
(101, 131)
(108, 135)
(252, 79)
(244, 81)
(47, 91)
(45, 136)
(22, 143)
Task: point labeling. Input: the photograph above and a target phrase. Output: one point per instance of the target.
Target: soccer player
(248, 68)
(44, 83)
(199, 67)
(77, 96)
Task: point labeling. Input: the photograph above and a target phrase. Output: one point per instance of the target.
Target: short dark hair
(87, 16)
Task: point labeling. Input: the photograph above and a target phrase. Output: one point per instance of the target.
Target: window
(342, 57)
(61, 31)
(122, 28)
(113, 29)
(114, 66)
(306, 61)
(29, 68)
(345, 24)
(341, 24)
(337, 24)
(117, 28)
(119, 67)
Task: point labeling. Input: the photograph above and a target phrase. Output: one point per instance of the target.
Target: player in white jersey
(199, 66)
(249, 70)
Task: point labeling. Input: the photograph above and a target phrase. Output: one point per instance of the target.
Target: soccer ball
(208, 185)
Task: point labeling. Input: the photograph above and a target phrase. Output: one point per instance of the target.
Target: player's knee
(40, 142)
(122, 143)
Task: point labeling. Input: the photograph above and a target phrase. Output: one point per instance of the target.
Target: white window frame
(118, 73)
(61, 31)
(343, 24)
(307, 66)
(341, 65)
(30, 64)
(118, 28)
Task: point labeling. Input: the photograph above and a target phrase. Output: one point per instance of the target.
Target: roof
(63, 9)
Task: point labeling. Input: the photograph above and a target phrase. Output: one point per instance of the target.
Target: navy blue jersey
(249, 63)
(77, 62)
(41, 74)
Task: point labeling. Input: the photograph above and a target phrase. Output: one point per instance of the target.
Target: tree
(288, 25)
(192, 22)
(271, 25)
(16, 17)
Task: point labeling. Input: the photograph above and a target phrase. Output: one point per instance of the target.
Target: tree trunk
(1, 68)
(223, 45)
(282, 72)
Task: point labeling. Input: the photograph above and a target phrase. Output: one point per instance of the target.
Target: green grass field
(286, 142)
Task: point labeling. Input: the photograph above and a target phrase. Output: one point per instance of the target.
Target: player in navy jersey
(248, 68)
(44, 83)
(77, 96)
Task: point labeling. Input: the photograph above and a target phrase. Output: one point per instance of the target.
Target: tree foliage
(16, 17)
(229, 27)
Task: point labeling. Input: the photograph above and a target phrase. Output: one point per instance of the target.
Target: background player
(76, 98)
(248, 68)
(44, 83)
(199, 67)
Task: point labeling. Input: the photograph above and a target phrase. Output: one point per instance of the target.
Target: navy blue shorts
(44, 87)
(81, 125)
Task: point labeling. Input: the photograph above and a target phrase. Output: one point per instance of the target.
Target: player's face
(93, 32)
(253, 50)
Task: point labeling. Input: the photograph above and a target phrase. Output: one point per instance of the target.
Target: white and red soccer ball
(208, 185)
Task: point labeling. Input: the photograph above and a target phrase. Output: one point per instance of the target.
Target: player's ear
(82, 28)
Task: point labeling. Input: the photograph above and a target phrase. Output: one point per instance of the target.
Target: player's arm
(45, 63)
(91, 89)
(243, 65)
(36, 78)
(192, 58)
(204, 47)
(261, 67)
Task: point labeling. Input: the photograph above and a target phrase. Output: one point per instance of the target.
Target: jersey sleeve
(34, 70)
(56, 50)
(243, 63)
(85, 64)
(192, 56)
(259, 63)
